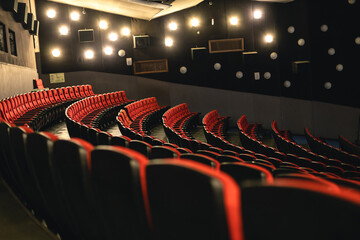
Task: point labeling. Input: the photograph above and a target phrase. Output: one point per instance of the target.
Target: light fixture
(64, 30)
(195, 22)
(113, 37)
(269, 38)
(56, 52)
(89, 54)
(169, 42)
(121, 53)
(173, 26)
(125, 31)
(234, 21)
(108, 50)
(103, 24)
(51, 13)
(75, 16)
(258, 14)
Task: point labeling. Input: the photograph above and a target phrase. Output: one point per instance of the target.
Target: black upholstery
(71, 164)
(187, 201)
(297, 210)
(116, 174)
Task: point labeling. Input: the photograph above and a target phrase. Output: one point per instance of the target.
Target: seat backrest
(243, 172)
(299, 209)
(192, 201)
(164, 152)
(201, 158)
(72, 165)
(119, 186)
(140, 146)
(121, 141)
(38, 83)
(104, 138)
(229, 158)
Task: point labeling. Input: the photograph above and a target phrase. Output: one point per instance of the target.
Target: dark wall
(306, 67)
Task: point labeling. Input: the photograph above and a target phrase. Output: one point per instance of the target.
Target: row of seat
(139, 117)
(320, 147)
(37, 109)
(333, 164)
(283, 133)
(111, 192)
(214, 127)
(348, 146)
(250, 129)
(178, 121)
(90, 111)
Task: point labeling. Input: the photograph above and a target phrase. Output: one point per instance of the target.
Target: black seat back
(190, 201)
(117, 174)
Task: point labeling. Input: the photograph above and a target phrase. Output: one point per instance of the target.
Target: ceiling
(140, 9)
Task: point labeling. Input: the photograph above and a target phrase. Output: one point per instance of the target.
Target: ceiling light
(125, 31)
(195, 22)
(169, 42)
(75, 16)
(103, 24)
(56, 52)
(64, 30)
(51, 13)
(108, 50)
(269, 38)
(113, 36)
(234, 21)
(89, 54)
(257, 14)
(173, 26)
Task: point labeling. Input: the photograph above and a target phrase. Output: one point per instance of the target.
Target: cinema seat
(297, 210)
(164, 152)
(244, 172)
(229, 158)
(71, 159)
(141, 147)
(201, 158)
(121, 141)
(118, 176)
(191, 201)
(40, 148)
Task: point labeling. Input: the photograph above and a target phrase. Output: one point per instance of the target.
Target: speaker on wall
(10, 5)
(21, 15)
(141, 41)
(86, 35)
(30, 22)
(35, 30)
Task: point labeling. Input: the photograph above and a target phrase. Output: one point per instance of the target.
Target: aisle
(16, 222)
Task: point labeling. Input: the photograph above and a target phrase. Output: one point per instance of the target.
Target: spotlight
(64, 30)
(103, 24)
(258, 14)
(56, 52)
(169, 42)
(125, 31)
(234, 21)
(51, 13)
(113, 37)
(108, 50)
(75, 16)
(173, 26)
(269, 38)
(89, 54)
(195, 22)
